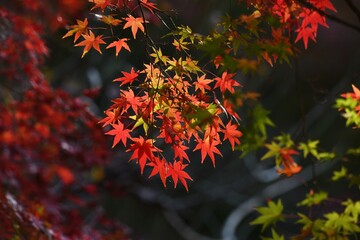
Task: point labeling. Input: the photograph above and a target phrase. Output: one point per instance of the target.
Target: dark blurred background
(221, 201)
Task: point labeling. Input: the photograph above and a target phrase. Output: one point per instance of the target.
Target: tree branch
(329, 16)
(353, 8)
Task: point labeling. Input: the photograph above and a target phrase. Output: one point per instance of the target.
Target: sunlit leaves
(78, 30)
(128, 77)
(208, 148)
(91, 41)
(232, 134)
(135, 24)
(120, 134)
(177, 173)
(269, 215)
(119, 44)
(226, 82)
(313, 199)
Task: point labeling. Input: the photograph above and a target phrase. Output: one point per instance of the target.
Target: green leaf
(339, 174)
(304, 220)
(274, 149)
(274, 236)
(310, 147)
(352, 209)
(269, 215)
(313, 199)
(341, 223)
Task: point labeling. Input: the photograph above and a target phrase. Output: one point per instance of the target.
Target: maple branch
(353, 8)
(329, 16)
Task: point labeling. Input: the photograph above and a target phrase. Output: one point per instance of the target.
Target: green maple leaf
(274, 236)
(313, 199)
(310, 147)
(269, 215)
(339, 174)
(341, 223)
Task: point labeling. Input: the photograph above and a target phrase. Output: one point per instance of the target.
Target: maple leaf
(269, 215)
(91, 42)
(108, 19)
(128, 77)
(78, 30)
(226, 82)
(120, 133)
(202, 84)
(305, 34)
(142, 150)
(323, 4)
(232, 134)
(100, 4)
(179, 152)
(149, 5)
(159, 167)
(121, 43)
(290, 167)
(177, 173)
(208, 147)
(135, 24)
(65, 174)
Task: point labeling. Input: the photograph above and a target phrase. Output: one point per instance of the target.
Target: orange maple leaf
(135, 24)
(121, 43)
(91, 42)
(202, 83)
(100, 4)
(78, 30)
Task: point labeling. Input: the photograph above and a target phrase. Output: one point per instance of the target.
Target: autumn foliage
(54, 150)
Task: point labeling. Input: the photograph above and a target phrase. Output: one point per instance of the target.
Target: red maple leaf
(305, 34)
(142, 151)
(149, 5)
(323, 4)
(120, 133)
(208, 147)
(121, 43)
(159, 167)
(177, 173)
(135, 24)
(128, 77)
(290, 167)
(91, 42)
(179, 152)
(232, 134)
(226, 82)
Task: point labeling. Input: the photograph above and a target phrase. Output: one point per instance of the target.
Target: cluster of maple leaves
(172, 102)
(50, 142)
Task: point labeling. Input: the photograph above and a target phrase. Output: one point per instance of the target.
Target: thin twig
(329, 16)
(353, 8)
